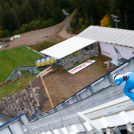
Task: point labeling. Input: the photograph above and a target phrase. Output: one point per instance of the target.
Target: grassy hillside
(14, 86)
(10, 59)
(46, 44)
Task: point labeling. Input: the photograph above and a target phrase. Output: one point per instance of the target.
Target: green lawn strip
(44, 45)
(13, 58)
(14, 86)
(5, 71)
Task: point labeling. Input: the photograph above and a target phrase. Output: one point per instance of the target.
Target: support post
(95, 129)
(41, 74)
(26, 124)
(106, 126)
(46, 90)
(126, 119)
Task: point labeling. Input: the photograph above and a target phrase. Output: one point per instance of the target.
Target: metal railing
(15, 71)
(94, 88)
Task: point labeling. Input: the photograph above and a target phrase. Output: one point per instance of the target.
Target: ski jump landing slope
(96, 100)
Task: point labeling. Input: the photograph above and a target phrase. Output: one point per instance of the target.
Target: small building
(72, 51)
(118, 44)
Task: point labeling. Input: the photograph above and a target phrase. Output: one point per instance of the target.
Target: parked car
(11, 38)
(16, 36)
(7, 40)
(6, 45)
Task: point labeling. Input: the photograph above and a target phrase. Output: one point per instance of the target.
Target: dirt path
(37, 36)
(63, 33)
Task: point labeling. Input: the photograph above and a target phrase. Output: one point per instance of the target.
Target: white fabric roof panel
(67, 47)
(109, 35)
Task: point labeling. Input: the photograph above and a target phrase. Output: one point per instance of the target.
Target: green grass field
(13, 58)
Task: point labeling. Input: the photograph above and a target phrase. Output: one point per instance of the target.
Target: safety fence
(81, 123)
(17, 72)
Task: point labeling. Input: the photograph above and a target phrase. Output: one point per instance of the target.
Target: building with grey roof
(115, 36)
(118, 44)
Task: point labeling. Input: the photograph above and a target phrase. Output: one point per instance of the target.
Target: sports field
(13, 58)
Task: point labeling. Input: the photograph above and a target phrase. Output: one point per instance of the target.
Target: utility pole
(114, 17)
(68, 21)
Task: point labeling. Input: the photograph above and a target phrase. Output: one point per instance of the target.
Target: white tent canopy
(67, 47)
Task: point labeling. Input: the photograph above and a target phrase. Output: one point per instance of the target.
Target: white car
(16, 36)
(11, 38)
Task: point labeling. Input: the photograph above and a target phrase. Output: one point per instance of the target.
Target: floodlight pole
(114, 17)
(68, 21)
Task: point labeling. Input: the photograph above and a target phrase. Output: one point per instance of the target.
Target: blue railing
(5, 116)
(11, 120)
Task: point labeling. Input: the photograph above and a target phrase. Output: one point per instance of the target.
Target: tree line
(98, 12)
(18, 16)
